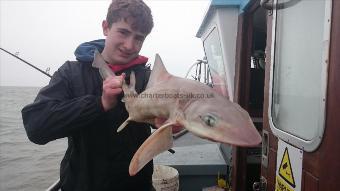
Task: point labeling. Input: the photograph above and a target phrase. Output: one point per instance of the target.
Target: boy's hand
(112, 87)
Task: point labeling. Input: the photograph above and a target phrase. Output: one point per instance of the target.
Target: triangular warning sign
(285, 170)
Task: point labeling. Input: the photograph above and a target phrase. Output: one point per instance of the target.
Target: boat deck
(197, 160)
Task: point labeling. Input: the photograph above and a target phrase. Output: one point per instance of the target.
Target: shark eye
(209, 119)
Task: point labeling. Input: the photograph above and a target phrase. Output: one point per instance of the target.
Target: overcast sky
(46, 33)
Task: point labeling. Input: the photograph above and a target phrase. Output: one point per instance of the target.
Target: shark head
(220, 120)
(213, 117)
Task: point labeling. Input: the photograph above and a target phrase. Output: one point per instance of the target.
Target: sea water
(23, 164)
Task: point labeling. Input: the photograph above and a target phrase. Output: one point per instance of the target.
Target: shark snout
(244, 136)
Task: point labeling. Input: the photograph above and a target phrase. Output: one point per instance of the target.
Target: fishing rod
(17, 57)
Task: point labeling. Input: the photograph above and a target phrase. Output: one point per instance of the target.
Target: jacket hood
(85, 51)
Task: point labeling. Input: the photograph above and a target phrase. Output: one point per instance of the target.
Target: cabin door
(249, 90)
(301, 113)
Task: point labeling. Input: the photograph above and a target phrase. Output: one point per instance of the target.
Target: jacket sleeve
(55, 113)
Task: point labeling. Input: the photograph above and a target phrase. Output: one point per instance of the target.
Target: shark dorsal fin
(158, 73)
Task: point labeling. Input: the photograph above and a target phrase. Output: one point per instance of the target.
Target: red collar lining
(119, 67)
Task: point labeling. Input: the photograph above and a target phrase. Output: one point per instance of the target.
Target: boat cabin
(279, 60)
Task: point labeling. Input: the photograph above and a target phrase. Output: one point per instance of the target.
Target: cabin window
(299, 72)
(213, 52)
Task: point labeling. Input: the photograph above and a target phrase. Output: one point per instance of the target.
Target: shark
(182, 102)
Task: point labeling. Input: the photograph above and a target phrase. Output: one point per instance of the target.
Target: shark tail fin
(99, 62)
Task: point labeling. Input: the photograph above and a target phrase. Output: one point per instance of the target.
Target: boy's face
(122, 42)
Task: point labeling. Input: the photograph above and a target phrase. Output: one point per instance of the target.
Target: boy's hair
(135, 12)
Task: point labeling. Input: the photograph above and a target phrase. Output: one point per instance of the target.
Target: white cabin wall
(226, 20)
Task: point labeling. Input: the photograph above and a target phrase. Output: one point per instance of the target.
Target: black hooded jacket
(97, 157)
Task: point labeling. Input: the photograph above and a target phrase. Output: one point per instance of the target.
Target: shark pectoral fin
(123, 125)
(159, 141)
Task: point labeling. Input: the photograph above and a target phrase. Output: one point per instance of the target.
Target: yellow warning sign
(288, 168)
(285, 170)
(281, 185)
